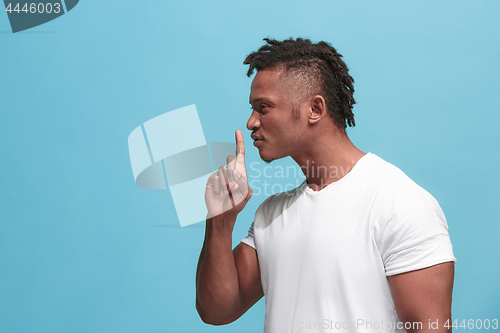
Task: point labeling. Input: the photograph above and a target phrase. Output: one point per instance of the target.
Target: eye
(260, 108)
(263, 108)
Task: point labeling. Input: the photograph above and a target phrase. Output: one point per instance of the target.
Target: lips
(257, 140)
(256, 137)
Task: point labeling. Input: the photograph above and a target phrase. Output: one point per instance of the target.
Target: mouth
(257, 142)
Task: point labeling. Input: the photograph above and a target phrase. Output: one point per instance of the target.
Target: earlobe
(314, 116)
(317, 109)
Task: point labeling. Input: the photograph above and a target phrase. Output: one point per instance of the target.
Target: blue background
(83, 249)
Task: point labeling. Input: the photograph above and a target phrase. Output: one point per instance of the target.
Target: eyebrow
(258, 100)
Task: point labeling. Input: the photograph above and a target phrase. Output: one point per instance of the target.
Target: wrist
(222, 224)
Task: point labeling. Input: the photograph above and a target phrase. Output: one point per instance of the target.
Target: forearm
(217, 287)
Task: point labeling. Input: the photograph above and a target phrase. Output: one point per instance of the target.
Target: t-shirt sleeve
(414, 234)
(249, 239)
(260, 217)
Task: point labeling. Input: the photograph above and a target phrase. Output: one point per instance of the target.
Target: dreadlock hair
(315, 68)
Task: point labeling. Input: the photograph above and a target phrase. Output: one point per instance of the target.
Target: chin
(268, 158)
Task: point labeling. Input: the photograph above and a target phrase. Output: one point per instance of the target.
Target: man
(358, 246)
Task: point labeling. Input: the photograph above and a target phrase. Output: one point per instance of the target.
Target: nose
(253, 122)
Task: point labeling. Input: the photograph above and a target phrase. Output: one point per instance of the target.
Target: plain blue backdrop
(84, 249)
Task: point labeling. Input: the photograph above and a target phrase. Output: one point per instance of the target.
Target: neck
(327, 159)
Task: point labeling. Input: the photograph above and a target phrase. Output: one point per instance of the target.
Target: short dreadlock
(318, 66)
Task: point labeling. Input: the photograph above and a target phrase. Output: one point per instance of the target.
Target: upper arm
(423, 295)
(247, 266)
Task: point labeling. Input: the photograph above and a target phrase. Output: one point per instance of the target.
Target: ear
(317, 109)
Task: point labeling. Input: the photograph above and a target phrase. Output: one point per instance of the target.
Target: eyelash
(262, 106)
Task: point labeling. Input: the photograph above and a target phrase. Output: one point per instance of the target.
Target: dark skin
(228, 281)
(424, 294)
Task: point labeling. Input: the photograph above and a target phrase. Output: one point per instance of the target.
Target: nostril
(253, 123)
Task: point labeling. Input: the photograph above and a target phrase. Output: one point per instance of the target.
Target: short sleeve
(414, 234)
(249, 239)
(260, 219)
(435, 250)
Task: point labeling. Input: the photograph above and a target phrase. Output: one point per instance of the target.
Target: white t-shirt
(325, 255)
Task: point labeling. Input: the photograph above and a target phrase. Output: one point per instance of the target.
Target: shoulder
(395, 186)
(405, 213)
(400, 203)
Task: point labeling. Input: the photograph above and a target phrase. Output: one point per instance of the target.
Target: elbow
(212, 319)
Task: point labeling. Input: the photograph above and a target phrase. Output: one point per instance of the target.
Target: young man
(358, 246)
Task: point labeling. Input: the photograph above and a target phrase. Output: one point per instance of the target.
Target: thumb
(242, 184)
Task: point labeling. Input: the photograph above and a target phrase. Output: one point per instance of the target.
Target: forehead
(265, 85)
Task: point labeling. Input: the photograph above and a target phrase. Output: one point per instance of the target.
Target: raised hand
(227, 189)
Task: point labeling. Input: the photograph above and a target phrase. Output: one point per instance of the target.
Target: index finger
(240, 147)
